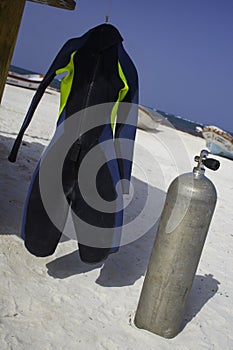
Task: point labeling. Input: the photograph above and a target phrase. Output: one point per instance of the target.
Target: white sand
(59, 302)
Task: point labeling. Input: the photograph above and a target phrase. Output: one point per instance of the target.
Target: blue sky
(183, 49)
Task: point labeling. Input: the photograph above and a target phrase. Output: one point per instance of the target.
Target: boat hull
(216, 149)
(146, 120)
(29, 81)
(219, 142)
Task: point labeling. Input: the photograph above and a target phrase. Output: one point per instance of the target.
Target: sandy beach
(58, 302)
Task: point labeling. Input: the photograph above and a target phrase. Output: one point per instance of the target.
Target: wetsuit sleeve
(61, 60)
(127, 117)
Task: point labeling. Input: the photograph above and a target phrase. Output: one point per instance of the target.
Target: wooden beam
(10, 17)
(63, 4)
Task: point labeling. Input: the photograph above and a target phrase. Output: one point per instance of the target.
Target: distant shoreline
(177, 122)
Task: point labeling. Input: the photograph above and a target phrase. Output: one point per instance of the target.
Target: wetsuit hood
(102, 37)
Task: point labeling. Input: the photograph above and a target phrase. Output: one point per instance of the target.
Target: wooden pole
(10, 17)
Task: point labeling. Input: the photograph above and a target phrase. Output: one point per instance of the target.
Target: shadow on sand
(130, 262)
(203, 289)
(14, 181)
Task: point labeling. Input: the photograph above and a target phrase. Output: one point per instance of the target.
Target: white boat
(30, 81)
(147, 120)
(218, 141)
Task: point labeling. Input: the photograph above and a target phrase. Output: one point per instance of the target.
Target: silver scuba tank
(181, 234)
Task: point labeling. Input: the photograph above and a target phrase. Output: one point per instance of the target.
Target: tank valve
(203, 161)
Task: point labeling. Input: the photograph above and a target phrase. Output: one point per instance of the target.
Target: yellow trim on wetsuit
(66, 82)
(121, 95)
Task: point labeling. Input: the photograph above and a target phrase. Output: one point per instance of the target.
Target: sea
(177, 122)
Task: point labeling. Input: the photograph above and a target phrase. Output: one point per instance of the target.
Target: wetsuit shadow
(203, 289)
(69, 265)
(14, 181)
(131, 261)
(120, 269)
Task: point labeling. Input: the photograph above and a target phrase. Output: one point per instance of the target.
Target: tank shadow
(203, 289)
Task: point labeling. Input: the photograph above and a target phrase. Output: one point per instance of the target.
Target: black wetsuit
(96, 126)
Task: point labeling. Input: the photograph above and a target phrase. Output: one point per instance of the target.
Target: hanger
(108, 12)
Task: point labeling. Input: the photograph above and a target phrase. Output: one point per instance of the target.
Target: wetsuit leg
(47, 204)
(96, 230)
(40, 234)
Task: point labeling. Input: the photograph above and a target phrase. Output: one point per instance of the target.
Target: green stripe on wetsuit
(66, 82)
(66, 85)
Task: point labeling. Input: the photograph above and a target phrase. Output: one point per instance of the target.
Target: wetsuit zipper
(92, 82)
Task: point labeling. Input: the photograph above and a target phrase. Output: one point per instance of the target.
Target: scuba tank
(180, 238)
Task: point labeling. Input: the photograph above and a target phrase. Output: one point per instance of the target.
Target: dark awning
(63, 4)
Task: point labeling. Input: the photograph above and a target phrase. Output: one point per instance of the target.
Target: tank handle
(211, 163)
(203, 161)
